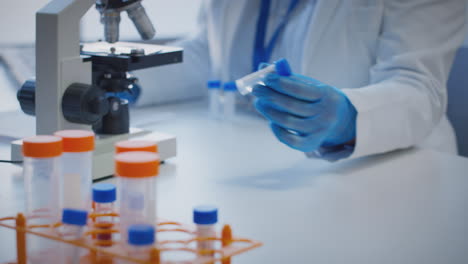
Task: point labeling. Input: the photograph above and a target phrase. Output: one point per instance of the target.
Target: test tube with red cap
(136, 145)
(77, 159)
(136, 173)
(41, 173)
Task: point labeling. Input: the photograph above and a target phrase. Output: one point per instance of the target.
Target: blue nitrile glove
(306, 114)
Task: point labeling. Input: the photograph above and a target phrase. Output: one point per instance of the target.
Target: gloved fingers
(302, 125)
(297, 86)
(263, 65)
(287, 103)
(304, 143)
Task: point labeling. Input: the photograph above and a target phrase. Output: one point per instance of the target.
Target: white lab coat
(390, 57)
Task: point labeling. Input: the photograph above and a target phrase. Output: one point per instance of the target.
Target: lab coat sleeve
(184, 80)
(407, 96)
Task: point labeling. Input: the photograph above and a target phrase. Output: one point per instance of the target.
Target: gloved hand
(306, 114)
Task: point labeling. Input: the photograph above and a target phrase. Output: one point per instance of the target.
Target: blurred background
(172, 19)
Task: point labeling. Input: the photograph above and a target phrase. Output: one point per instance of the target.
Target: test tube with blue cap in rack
(104, 197)
(74, 221)
(245, 84)
(141, 239)
(205, 217)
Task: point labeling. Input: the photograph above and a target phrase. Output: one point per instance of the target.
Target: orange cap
(42, 147)
(136, 164)
(136, 145)
(76, 140)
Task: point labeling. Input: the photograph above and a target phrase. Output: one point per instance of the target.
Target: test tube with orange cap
(41, 172)
(136, 173)
(136, 145)
(77, 160)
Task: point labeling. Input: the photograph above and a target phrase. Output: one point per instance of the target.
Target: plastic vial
(41, 173)
(214, 87)
(104, 196)
(141, 239)
(74, 222)
(136, 173)
(205, 217)
(246, 83)
(136, 145)
(230, 89)
(78, 146)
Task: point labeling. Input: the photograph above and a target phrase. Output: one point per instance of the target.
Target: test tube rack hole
(104, 252)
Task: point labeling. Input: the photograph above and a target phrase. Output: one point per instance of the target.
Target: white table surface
(403, 207)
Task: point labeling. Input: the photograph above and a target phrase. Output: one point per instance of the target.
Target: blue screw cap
(282, 67)
(141, 235)
(74, 217)
(213, 84)
(230, 87)
(104, 193)
(205, 215)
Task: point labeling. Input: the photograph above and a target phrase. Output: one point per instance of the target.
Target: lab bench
(408, 206)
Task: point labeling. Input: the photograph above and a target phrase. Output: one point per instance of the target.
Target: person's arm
(408, 94)
(183, 80)
(404, 103)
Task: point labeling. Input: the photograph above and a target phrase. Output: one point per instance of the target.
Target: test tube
(41, 173)
(136, 145)
(214, 87)
(78, 146)
(205, 218)
(136, 173)
(74, 221)
(229, 100)
(246, 83)
(104, 196)
(141, 239)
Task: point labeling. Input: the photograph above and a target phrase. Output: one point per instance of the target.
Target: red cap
(76, 140)
(136, 145)
(137, 164)
(42, 147)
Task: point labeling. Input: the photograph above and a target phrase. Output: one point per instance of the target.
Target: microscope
(77, 85)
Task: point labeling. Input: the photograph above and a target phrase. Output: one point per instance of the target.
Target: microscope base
(103, 158)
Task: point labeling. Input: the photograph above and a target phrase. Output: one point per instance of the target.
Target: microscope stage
(130, 56)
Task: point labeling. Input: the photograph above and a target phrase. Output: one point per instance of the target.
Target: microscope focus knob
(84, 104)
(27, 97)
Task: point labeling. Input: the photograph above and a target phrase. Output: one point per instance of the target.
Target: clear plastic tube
(77, 179)
(41, 173)
(42, 184)
(229, 100)
(71, 253)
(136, 177)
(73, 223)
(137, 201)
(77, 159)
(206, 231)
(140, 241)
(205, 217)
(245, 84)
(214, 94)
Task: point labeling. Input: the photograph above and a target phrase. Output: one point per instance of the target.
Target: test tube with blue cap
(205, 217)
(104, 197)
(74, 221)
(230, 89)
(214, 87)
(245, 84)
(141, 238)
